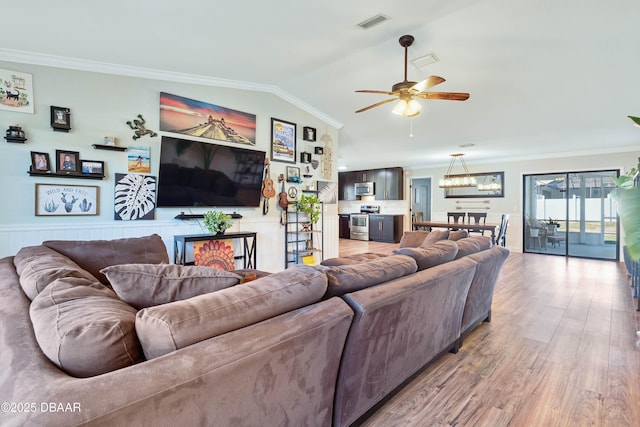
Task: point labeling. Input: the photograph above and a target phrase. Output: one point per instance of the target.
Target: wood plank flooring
(561, 350)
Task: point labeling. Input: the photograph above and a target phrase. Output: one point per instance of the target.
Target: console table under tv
(248, 256)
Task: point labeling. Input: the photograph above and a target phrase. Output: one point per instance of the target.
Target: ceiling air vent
(424, 61)
(374, 20)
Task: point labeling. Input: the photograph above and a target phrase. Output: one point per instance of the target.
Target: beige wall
(514, 171)
(100, 105)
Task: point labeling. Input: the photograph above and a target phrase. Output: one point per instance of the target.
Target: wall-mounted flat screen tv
(194, 173)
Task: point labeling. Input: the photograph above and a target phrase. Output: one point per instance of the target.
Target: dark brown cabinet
(343, 226)
(385, 228)
(388, 183)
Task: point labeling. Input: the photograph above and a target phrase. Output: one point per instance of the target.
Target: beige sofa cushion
(343, 279)
(168, 327)
(39, 266)
(435, 236)
(352, 259)
(94, 255)
(458, 234)
(145, 285)
(83, 328)
(473, 244)
(432, 255)
(413, 239)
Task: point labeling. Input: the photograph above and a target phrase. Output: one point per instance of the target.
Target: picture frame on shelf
(92, 167)
(67, 161)
(293, 174)
(40, 162)
(309, 134)
(283, 141)
(66, 200)
(60, 118)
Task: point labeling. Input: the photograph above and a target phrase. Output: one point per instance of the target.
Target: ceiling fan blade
(376, 104)
(450, 96)
(383, 92)
(430, 81)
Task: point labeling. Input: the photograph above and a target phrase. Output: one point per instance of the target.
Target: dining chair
(455, 218)
(501, 239)
(477, 218)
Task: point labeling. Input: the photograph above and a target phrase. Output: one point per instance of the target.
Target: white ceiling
(546, 77)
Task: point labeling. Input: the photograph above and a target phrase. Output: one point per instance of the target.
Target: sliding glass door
(571, 214)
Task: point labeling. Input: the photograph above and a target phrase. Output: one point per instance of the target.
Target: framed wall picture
(67, 161)
(309, 134)
(61, 118)
(92, 167)
(283, 141)
(40, 162)
(293, 174)
(66, 200)
(17, 91)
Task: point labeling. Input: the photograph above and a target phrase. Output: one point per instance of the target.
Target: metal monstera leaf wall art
(135, 197)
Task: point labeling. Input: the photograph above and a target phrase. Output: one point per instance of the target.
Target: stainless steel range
(360, 222)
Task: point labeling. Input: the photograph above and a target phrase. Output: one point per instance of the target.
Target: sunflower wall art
(214, 253)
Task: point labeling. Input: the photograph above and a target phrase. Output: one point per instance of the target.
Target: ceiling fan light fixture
(406, 108)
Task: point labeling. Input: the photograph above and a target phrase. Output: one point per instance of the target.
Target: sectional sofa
(109, 333)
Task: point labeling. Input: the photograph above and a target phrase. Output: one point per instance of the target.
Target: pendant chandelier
(457, 181)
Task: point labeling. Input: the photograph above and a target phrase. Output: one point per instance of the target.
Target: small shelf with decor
(109, 147)
(304, 240)
(66, 175)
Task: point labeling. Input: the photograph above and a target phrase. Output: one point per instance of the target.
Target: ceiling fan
(405, 91)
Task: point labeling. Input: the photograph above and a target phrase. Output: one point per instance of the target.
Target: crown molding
(11, 55)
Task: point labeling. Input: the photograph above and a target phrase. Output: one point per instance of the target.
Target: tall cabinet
(304, 242)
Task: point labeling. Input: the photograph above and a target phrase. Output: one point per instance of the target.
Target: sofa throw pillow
(343, 279)
(94, 255)
(458, 234)
(413, 239)
(83, 328)
(435, 236)
(168, 327)
(38, 266)
(432, 255)
(145, 285)
(473, 244)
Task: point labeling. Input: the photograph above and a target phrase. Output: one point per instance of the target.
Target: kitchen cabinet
(389, 184)
(343, 226)
(385, 228)
(346, 190)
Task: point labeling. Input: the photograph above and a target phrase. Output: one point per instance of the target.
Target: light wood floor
(561, 350)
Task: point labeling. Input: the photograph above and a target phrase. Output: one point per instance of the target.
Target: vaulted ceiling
(546, 78)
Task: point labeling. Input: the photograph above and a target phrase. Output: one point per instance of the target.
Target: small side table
(249, 252)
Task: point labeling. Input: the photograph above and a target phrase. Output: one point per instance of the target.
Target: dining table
(428, 225)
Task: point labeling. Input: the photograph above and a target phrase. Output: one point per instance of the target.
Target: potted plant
(309, 204)
(627, 196)
(217, 221)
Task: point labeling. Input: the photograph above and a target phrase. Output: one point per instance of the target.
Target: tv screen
(194, 173)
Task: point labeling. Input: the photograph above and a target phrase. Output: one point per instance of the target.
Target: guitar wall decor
(283, 200)
(267, 187)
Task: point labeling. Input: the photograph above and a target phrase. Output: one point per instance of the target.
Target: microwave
(364, 189)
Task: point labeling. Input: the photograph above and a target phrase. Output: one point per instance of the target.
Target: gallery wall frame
(283, 141)
(17, 93)
(66, 200)
(67, 161)
(40, 162)
(92, 167)
(60, 118)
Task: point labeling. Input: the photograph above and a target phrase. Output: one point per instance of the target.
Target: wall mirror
(490, 184)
